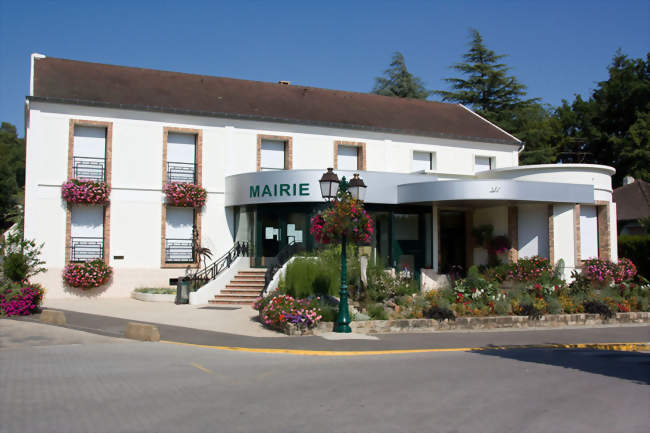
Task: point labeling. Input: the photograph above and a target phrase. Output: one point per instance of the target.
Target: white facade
(229, 147)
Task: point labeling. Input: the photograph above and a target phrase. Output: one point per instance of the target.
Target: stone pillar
(513, 233)
(604, 232)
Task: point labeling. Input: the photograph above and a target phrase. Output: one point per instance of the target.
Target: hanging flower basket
(85, 192)
(87, 275)
(185, 194)
(346, 217)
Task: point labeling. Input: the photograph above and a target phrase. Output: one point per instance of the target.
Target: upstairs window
(483, 163)
(181, 157)
(348, 158)
(89, 153)
(273, 155)
(423, 161)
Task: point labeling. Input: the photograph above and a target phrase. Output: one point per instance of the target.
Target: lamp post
(331, 189)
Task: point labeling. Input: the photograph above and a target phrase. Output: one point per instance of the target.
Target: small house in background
(632, 204)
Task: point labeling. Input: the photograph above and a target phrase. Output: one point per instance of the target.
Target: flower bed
(85, 192)
(20, 299)
(185, 194)
(280, 311)
(87, 275)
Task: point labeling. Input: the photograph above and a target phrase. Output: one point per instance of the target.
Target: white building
(434, 172)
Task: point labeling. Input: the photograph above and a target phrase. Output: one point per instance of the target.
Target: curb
(623, 347)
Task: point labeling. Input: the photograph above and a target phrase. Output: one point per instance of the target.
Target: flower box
(85, 192)
(87, 275)
(185, 194)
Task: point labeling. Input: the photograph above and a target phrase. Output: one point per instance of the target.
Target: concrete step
(248, 280)
(230, 302)
(237, 296)
(238, 292)
(235, 285)
(252, 272)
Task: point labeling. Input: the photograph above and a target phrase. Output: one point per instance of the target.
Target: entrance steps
(243, 289)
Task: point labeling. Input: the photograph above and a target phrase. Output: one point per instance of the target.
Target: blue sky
(556, 48)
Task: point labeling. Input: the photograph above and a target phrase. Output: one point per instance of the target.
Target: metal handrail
(176, 250)
(276, 263)
(210, 272)
(181, 172)
(84, 248)
(84, 167)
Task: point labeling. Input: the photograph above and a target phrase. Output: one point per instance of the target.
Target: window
(89, 153)
(483, 163)
(179, 236)
(86, 233)
(349, 155)
(423, 161)
(181, 157)
(588, 232)
(272, 153)
(348, 158)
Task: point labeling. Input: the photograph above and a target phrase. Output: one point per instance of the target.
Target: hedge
(637, 249)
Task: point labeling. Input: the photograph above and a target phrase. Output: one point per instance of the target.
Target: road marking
(625, 347)
(200, 367)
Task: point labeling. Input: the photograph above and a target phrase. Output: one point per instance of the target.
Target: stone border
(481, 323)
(153, 297)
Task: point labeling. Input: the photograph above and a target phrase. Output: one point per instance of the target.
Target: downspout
(522, 147)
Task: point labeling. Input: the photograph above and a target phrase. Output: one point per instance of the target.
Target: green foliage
(377, 312)
(439, 313)
(637, 249)
(157, 290)
(310, 276)
(21, 257)
(12, 171)
(595, 306)
(399, 82)
(15, 267)
(329, 313)
(502, 307)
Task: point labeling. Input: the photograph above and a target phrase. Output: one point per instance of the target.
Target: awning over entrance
(301, 186)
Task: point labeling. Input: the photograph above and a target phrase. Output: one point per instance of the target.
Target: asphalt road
(116, 386)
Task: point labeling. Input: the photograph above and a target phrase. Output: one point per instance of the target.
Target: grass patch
(157, 290)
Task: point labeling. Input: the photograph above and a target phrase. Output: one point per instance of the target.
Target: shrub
(636, 247)
(87, 275)
(502, 307)
(307, 276)
(20, 299)
(21, 259)
(530, 269)
(15, 267)
(377, 312)
(329, 313)
(475, 288)
(607, 272)
(85, 191)
(554, 306)
(439, 313)
(185, 194)
(284, 309)
(594, 306)
(530, 310)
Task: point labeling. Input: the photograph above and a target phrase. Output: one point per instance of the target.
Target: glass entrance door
(272, 233)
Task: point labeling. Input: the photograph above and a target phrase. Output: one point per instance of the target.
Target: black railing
(275, 263)
(179, 251)
(89, 168)
(84, 249)
(181, 172)
(210, 272)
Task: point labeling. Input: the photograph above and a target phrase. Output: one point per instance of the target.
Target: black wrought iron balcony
(89, 168)
(179, 251)
(85, 249)
(181, 172)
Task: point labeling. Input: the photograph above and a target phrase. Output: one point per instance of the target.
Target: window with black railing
(179, 251)
(84, 249)
(181, 172)
(89, 168)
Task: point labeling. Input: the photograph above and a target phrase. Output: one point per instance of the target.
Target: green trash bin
(183, 291)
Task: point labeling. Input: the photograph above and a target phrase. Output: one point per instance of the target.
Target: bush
(308, 276)
(607, 272)
(20, 299)
(595, 306)
(636, 248)
(439, 313)
(502, 307)
(377, 312)
(15, 267)
(87, 275)
(530, 269)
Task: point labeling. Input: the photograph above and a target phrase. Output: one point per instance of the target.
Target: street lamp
(330, 188)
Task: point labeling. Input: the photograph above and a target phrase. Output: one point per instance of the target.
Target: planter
(152, 297)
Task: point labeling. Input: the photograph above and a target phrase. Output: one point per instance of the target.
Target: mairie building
(434, 173)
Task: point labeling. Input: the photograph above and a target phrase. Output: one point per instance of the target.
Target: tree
(487, 88)
(399, 82)
(12, 171)
(612, 127)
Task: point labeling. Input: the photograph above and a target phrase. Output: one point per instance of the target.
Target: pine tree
(399, 82)
(487, 88)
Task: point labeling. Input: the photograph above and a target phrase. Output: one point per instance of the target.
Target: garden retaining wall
(496, 322)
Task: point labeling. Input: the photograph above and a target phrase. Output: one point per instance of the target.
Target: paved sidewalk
(16, 334)
(238, 320)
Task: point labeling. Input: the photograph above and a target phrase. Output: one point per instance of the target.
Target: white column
(434, 237)
(564, 236)
(613, 235)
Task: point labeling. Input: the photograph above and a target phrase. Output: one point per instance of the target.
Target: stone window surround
(288, 149)
(199, 175)
(108, 155)
(361, 156)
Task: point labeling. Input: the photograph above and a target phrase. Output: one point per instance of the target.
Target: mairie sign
(279, 190)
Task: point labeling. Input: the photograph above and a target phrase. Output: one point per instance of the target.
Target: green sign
(279, 190)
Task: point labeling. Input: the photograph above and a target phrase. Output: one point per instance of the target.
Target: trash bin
(183, 291)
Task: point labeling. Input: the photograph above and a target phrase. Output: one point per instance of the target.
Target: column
(513, 233)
